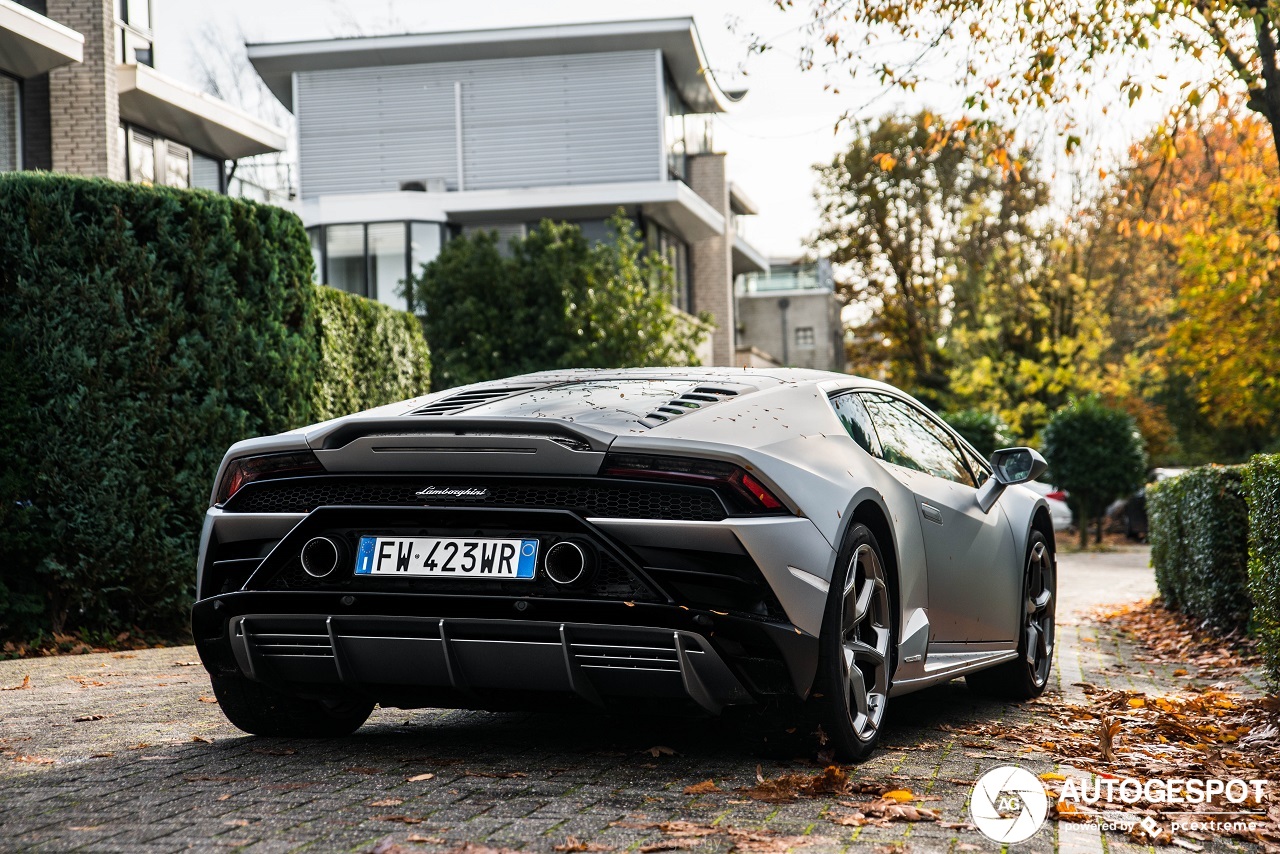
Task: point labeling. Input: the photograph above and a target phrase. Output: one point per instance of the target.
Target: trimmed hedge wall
(371, 354)
(1262, 491)
(142, 331)
(1199, 531)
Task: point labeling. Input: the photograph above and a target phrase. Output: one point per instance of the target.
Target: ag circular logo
(1008, 804)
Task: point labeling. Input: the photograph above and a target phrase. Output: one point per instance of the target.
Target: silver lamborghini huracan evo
(677, 538)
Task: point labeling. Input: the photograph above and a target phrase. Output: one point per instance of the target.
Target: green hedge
(1262, 491)
(371, 354)
(1198, 527)
(142, 331)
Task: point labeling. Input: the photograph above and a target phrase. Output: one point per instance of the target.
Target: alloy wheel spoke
(858, 692)
(865, 652)
(1033, 643)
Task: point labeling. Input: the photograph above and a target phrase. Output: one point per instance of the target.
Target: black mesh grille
(590, 499)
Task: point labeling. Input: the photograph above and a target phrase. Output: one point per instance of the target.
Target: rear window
(612, 403)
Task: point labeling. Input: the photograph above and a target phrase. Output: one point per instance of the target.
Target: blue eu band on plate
(447, 557)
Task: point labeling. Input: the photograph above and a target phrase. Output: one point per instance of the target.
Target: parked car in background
(1059, 510)
(690, 538)
(1129, 515)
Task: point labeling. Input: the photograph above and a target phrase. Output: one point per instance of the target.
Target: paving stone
(157, 789)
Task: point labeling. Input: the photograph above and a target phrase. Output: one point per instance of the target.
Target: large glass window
(909, 439)
(206, 172)
(177, 165)
(388, 260)
(345, 259)
(374, 259)
(10, 125)
(142, 158)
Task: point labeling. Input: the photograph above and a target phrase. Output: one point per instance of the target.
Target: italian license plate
(447, 557)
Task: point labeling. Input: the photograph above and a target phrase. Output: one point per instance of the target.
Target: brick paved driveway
(122, 752)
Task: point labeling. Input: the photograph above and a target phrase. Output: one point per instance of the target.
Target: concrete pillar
(84, 97)
(711, 260)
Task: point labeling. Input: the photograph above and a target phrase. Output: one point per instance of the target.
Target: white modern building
(405, 140)
(79, 93)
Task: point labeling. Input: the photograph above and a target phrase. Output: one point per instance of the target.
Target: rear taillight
(744, 491)
(1056, 495)
(266, 467)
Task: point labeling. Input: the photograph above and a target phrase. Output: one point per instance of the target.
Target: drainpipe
(784, 304)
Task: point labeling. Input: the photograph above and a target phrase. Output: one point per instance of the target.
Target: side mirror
(1010, 466)
(1017, 465)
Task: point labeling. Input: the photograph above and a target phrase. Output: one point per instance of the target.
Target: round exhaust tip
(319, 557)
(566, 563)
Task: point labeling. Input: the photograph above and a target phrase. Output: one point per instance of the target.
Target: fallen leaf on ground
(387, 802)
(403, 819)
(201, 739)
(418, 778)
(660, 750)
(706, 787)
(208, 699)
(86, 718)
(902, 796)
(477, 848)
(21, 686)
(185, 664)
(424, 840)
(34, 760)
(142, 745)
(101, 755)
(881, 812)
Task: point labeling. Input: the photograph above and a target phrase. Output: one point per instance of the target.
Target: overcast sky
(772, 138)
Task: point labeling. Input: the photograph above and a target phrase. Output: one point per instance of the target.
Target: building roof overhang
(32, 44)
(740, 203)
(193, 118)
(747, 258)
(677, 38)
(669, 203)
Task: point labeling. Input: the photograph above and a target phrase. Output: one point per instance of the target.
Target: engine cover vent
(691, 401)
(466, 399)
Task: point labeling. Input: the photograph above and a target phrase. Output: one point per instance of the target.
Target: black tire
(1026, 676)
(260, 710)
(857, 654)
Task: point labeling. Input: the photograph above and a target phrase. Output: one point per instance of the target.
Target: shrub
(553, 300)
(1096, 454)
(142, 331)
(986, 431)
(370, 354)
(1262, 491)
(1199, 531)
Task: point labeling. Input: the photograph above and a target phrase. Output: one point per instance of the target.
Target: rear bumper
(452, 651)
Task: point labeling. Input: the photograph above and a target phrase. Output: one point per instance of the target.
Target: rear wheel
(260, 710)
(857, 652)
(1026, 676)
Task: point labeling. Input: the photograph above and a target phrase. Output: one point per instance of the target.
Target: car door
(975, 579)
